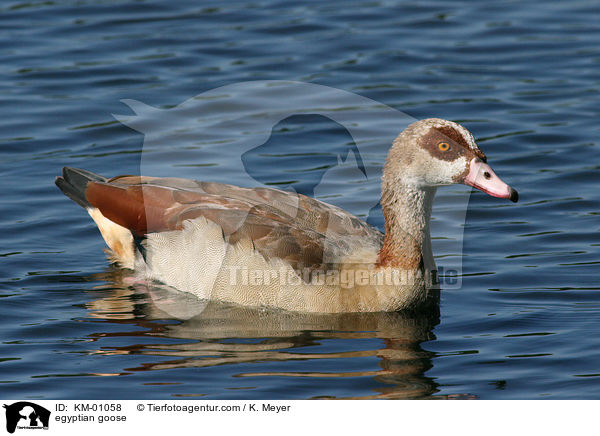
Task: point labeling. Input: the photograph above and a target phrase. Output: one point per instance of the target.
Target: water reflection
(196, 334)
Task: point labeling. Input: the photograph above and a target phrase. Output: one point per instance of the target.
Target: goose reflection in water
(212, 333)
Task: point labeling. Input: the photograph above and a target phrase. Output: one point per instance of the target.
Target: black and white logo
(26, 415)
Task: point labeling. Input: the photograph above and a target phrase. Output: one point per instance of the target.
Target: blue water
(521, 75)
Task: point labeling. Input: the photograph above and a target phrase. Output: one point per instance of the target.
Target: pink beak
(482, 177)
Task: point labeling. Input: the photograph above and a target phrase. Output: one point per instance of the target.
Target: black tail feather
(73, 183)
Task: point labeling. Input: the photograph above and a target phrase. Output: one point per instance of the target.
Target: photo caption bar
(154, 417)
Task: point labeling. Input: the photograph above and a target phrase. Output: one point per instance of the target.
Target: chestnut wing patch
(279, 224)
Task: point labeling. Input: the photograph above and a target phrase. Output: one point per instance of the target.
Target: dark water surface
(521, 75)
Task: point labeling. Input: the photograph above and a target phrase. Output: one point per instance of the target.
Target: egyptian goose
(270, 248)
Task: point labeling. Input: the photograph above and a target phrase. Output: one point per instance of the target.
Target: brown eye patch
(446, 143)
(442, 146)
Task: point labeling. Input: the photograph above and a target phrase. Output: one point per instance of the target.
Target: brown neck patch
(399, 257)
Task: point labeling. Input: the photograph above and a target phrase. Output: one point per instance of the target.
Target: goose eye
(444, 146)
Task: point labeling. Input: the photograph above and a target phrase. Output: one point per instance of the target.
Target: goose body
(266, 247)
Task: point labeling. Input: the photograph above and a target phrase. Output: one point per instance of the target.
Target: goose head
(436, 152)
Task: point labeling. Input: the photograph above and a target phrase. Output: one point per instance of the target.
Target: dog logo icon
(26, 415)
